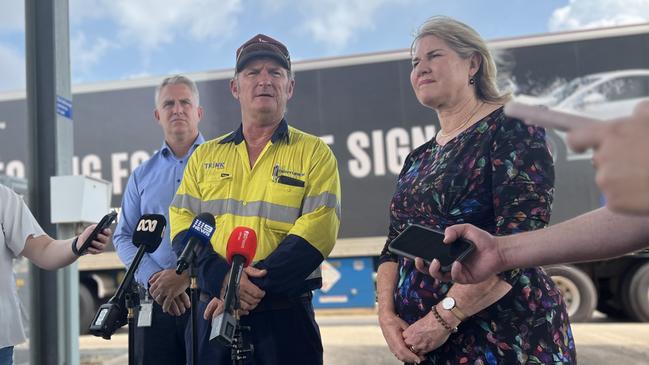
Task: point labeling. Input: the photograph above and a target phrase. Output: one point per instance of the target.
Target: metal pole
(193, 289)
(54, 326)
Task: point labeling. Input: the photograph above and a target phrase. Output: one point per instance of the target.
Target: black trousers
(164, 342)
(280, 337)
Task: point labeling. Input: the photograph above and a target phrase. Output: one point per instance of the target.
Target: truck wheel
(577, 289)
(635, 293)
(87, 308)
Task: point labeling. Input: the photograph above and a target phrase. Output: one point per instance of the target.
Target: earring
(471, 80)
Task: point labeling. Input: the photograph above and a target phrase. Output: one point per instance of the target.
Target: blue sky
(124, 39)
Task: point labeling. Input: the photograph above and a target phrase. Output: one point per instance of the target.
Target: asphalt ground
(355, 339)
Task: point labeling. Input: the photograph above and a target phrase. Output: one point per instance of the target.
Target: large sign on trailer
(363, 107)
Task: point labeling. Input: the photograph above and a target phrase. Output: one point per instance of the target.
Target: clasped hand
(425, 335)
(411, 343)
(168, 289)
(249, 294)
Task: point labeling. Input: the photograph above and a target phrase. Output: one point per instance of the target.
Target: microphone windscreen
(149, 231)
(242, 241)
(202, 227)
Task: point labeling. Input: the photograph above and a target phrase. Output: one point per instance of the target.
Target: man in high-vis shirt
(284, 184)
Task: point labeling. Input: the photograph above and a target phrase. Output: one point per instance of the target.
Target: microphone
(241, 249)
(200, 231)
(112, 315)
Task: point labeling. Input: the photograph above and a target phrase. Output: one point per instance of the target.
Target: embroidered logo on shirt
(281, 171)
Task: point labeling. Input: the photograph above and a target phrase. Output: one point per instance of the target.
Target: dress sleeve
(522, 181)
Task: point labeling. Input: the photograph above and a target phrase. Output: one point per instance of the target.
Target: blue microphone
(200, 231)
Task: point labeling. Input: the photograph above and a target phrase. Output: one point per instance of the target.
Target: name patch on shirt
(214, 165)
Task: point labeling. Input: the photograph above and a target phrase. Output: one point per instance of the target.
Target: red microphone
(242, 245)
(242, 242)
(240, 251)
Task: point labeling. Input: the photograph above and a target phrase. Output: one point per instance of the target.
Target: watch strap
(74, 247)
(458, 313)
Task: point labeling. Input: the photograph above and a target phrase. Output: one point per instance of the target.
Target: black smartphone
(104, 223)
(427, 243)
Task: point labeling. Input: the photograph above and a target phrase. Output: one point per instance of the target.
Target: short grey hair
(466, 42)
(178, 80)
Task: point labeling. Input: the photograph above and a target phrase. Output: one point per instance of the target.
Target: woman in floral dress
(481, 168)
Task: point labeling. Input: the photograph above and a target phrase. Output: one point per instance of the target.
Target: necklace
(443, 134)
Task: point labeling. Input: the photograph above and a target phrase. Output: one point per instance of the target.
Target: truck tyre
(87, 308)
(635, 293)
(577, 289)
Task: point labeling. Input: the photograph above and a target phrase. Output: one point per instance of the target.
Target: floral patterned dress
(499, 176)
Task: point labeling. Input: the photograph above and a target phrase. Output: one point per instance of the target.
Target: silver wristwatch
(449, 304)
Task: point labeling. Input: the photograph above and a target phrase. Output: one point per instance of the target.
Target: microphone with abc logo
(112, 315)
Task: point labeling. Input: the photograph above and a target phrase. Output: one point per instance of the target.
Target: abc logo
(147, 225)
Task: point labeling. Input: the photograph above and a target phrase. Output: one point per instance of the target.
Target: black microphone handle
(128, 278)
(236, 269)
(187, 255)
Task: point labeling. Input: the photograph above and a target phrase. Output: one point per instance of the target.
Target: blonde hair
(466, 42)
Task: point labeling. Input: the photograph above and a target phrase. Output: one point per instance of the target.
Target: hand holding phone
(104, 223)
(543, 116)
(419, 241)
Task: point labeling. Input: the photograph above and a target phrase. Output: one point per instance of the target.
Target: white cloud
(12, 65)
(85, 54)
(581, 14)
(335, 23)
(152, 23)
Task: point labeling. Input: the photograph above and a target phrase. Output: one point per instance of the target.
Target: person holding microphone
(23, 236)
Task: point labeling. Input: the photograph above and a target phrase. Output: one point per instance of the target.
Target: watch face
(448, 303)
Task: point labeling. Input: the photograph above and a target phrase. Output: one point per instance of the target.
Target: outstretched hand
(97, 245)
(620, 157)
(485, 261)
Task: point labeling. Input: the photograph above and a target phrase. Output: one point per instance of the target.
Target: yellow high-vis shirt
(293, 188)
